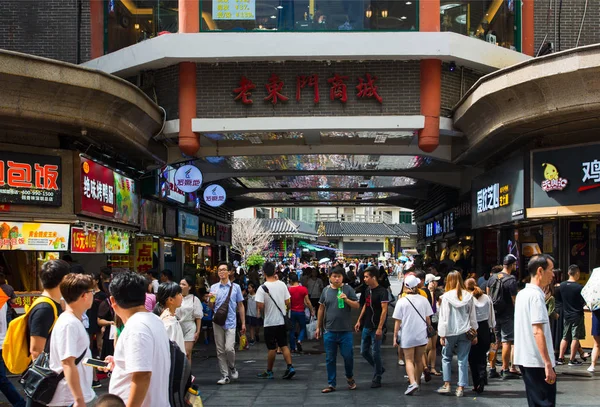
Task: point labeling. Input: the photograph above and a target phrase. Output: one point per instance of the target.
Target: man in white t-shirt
(273, 298)
(71, 343)
(142, 360)
(533, 338)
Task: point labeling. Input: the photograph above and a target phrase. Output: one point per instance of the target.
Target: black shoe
(575, 362)
(375, 384)
(494, 374)
(560, 361)
(289, 373)
(299, 346)
(479, 389)
(96, 384)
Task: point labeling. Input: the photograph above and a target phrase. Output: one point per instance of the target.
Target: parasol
(324, 260)
(591, 291)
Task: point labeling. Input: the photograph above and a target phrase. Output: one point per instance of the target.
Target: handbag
(39, 381)
(471, 334)
(220, 316)
(289, 325)
(431, 332)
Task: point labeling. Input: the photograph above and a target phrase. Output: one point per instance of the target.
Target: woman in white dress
(190, 315)
(168, 299)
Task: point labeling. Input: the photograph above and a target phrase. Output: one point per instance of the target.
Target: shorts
(574, 329)
(276, 336)
(596, 323)
(189, 330)
(253, 321)
(505, 329)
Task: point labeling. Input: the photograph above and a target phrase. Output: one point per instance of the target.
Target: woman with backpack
(190, 315)
(168, 299)
(457, 320)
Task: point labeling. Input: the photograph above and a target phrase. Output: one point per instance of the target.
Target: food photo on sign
(126, 200)
(34, 236)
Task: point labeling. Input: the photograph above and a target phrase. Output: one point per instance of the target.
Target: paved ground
(576, 387)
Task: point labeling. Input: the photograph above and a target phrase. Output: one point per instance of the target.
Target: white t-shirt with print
(70, 339)
(413, 330)
(280, 294)
(143, 346)
(530, 308)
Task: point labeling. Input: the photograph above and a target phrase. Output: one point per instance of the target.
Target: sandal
(328, 389)
(351, 384)
(435, 373)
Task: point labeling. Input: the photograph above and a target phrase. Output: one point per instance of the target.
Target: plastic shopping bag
(243, 342)
(311, 329)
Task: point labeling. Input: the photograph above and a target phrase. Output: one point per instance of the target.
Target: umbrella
(382, 258)
(324, 260)
(591, 291)
(403, 258)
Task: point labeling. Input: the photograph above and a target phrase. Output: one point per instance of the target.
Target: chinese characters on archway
(338, 88)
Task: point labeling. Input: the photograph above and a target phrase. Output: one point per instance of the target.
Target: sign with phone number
(234, 9)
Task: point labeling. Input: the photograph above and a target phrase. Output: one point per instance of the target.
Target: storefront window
(128, 22)
(494, 21)
(309, 15)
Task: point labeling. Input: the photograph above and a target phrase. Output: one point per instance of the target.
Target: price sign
(234, 9)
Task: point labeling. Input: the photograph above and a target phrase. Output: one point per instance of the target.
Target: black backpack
(497, 293)
(180, 376)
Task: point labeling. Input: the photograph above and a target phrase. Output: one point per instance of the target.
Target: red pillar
(97, 28)
(431, 80)
(527, 28)
(189, 22)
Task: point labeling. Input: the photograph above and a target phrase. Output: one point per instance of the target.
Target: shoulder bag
(431, 332)
(220, 316)
(289, 325)
(40, 382)
(471, 333)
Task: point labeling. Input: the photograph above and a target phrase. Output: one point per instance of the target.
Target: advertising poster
(152, 217)
(28, 179)
(34, 236)
(187, 225)
(89, 241)
(116, 242)
(126, 200)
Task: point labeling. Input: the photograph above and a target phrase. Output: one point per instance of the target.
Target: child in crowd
(206, 318)
(252, 317)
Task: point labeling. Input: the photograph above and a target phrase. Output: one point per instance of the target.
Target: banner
(116, 242)
(86, 242)
(28, 179)
(145, 250)
(34, 236)
(126, 208)
(97, 189)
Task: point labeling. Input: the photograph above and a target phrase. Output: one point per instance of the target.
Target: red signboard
(83, 241)
(28, 179)
(97, 189)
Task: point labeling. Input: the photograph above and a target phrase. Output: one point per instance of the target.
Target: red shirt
(298, 293)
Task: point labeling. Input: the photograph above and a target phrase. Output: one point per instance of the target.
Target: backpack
(180, 376)
(15, 350)
(497, 293)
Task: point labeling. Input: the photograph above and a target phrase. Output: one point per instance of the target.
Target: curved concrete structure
(60, 98)
(555, 95)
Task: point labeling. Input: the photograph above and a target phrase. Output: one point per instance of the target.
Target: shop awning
(309, 246)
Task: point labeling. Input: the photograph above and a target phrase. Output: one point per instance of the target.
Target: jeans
(463, 347)
(370, 349)
(344, 341)
(7, 387)
(300, 319)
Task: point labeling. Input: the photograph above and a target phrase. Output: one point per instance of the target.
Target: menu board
(34, 236)
(86, 241)
(235, 9)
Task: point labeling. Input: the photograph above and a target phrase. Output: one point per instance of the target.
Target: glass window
(405, 217)
(493, 21)
(128, 22)
(309, 15)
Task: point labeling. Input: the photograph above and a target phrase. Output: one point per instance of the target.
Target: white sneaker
(591, 369)
(422, 377)
(224, 380)
(411, 389)
(400, 362)
(234, 374)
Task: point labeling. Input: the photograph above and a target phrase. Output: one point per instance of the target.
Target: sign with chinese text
(145, 250)
(215, 195)
(126, 200)
(208, 230)
(152, 217)
(187, 225)
(167, 186)
(28, 179)
(86, 241)
(188, 178)
(565, 176)
(97, 189)
(116, 242)
(223, 233)
(34, 236)
(498, 195)
(234, 9)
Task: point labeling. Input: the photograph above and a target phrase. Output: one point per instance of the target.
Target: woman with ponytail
(168, 299)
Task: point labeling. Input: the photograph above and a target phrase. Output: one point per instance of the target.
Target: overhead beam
(416, 193)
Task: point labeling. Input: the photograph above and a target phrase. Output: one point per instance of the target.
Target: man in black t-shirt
(41, 317)
(373, 314)
(573, 321)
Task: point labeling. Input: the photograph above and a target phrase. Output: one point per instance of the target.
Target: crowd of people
(118, 317)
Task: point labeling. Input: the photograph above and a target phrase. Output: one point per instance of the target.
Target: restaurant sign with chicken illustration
(565, 176)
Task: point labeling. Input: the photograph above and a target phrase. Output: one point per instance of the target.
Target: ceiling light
(255, 140)
(445, 7)
(461, 19)
(380, 139)
(408, 3)
(280, 7)
(137, 26)
(273, 17)
(403, 18)
(369, 12)
(384, 13)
